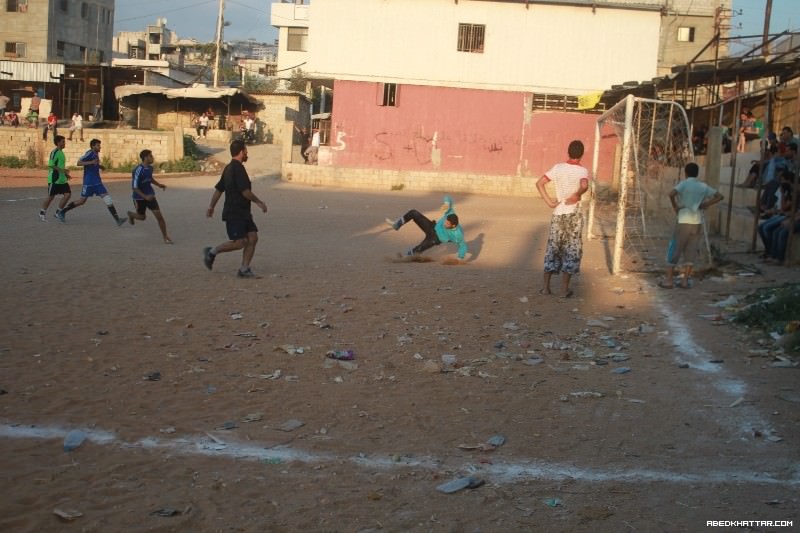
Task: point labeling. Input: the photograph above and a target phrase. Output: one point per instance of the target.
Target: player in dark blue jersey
(144, 196)
(92, 183)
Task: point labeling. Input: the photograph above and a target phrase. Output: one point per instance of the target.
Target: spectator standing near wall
(564, 243)
(77, 125)
(312, 152)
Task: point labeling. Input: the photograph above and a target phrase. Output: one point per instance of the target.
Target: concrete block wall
(215, 135)
(386, 180)
(278, 115)
(118, 145)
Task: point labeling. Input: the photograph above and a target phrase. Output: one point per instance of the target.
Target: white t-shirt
(566, 178)
(204, 121)
(315, 139)
(691, 193)
(77, 122)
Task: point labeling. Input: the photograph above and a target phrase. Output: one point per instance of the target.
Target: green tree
(298, 81)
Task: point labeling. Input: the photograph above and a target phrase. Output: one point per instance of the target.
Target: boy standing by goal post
(564, 243)
(688, 199)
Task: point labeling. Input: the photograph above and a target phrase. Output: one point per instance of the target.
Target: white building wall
(283, 16)
(542, 48)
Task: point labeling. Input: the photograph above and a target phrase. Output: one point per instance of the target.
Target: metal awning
(28, 71)
(784, 65)
(197, 92)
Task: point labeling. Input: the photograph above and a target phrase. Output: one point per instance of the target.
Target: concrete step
(741, 197)
(742, 221)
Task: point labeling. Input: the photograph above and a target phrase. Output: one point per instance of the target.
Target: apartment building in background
(479, 86)
(57, 31)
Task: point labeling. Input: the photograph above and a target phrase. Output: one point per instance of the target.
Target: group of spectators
(32, 118)
(776, 173)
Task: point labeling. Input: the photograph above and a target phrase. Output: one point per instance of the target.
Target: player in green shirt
(57, 179)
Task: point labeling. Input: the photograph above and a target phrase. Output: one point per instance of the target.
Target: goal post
(655, 139)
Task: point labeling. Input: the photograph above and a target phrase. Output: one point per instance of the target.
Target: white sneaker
(395, 224)
(42, 216)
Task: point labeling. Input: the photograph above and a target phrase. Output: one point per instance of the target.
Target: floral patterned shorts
(564, 244)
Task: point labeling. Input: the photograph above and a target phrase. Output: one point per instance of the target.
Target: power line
(193, 6)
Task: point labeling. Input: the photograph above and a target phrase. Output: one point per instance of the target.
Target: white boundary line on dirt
(29, 198)
(744, 418)
(500, 472)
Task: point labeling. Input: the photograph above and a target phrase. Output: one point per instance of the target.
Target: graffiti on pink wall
(451, 130)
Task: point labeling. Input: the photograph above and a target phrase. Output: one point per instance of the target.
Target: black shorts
(144, 205)
(54, 189)
(238, 229)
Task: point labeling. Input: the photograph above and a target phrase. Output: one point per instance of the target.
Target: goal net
(651, 143)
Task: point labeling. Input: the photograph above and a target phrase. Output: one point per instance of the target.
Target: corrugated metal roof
(27, 71)
(182, 92)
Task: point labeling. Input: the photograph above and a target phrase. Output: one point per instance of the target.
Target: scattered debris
(342, 355)
(291, 349)
(730, 301)
(491, 444)
(68, 515)
(74, 439)
(449, 362)
(737, 401)
(646, 328)
(586, 394)
(165, 512)
(291, 425)
(784, 362)
(461, 483)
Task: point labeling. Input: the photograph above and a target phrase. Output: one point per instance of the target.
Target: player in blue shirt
(92, 183)
(144, 196)
(446, 229)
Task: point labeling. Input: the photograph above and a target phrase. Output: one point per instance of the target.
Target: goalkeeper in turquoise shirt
(446, 229)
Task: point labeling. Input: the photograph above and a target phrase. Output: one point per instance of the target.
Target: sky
(198, 18)
(785, 16)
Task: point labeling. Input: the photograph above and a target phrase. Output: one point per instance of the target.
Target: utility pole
(219, 42)
(767, 17)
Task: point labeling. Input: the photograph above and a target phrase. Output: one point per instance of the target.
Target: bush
(190, 148)
(13, 161)
(123, 167)
(771, 308)
(187, 164)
